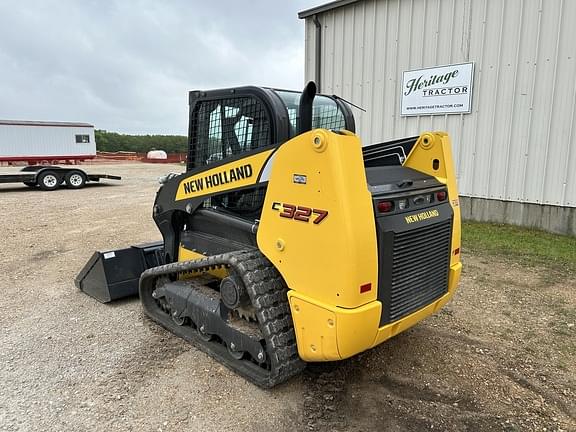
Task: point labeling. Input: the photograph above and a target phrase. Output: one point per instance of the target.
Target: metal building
(516, 149)
(46, 142)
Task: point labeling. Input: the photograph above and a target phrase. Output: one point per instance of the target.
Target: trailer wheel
(48, 180)
(75, 179)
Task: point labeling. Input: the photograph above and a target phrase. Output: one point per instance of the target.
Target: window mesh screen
(327, 116)
(227, 127)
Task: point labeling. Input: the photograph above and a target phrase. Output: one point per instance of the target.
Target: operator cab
(230, 123)
(233, 123)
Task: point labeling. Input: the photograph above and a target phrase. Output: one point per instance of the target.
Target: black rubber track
(268, 294)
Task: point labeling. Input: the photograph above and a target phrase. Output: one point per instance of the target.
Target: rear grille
(420, 263)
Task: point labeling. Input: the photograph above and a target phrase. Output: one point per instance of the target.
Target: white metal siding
(27, 140)
(519, 142)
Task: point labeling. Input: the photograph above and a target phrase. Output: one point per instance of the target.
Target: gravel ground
(500, 356)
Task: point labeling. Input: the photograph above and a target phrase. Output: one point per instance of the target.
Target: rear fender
(317, 224)
(432, 155)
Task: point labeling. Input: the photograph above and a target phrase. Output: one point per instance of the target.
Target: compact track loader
(286, 241)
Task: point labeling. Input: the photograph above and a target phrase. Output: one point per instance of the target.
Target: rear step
(113, 275)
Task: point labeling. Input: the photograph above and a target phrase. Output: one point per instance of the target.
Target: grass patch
(526, 246)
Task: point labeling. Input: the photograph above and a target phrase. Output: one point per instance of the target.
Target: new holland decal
(217, 179)
(418, 217)
(233, 175)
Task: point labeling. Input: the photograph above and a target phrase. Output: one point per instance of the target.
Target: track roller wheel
(206, 337)
(236, 354)
(179, 321)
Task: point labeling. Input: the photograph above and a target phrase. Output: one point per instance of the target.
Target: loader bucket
(113, 275)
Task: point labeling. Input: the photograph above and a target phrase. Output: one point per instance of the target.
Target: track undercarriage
(256, 340)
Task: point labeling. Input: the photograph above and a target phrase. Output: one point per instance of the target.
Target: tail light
(385, 206)
(441, 196)
(365, 288)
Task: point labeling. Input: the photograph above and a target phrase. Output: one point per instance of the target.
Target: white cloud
(128, 66)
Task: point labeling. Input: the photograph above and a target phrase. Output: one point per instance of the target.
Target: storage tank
(156, 154)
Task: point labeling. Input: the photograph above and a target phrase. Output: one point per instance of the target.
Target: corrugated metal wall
(18, 140)
(519, 143)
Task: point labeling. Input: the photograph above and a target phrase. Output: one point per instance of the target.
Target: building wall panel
(519, 142)
(543, 102)
(561, 114)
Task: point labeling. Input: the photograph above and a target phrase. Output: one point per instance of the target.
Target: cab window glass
(325, 112)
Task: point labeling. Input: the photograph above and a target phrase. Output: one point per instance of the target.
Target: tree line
(113, 142)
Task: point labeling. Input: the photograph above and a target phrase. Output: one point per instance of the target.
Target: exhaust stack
(305, 110)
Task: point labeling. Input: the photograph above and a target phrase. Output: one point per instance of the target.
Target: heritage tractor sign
(438, 90)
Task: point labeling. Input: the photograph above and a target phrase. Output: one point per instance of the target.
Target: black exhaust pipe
(305, 111)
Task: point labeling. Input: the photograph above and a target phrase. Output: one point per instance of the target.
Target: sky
(127, 66)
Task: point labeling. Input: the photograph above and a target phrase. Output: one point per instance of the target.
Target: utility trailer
(52, 177)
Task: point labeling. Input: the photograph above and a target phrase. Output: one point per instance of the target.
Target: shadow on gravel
(152, 358)
(23, 189)
(340, 397)
(122, 302)
(388, 388)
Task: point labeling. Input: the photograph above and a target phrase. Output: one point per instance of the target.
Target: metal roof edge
(43, 123)
(324, 8)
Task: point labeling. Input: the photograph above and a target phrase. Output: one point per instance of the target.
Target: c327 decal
(300, 213)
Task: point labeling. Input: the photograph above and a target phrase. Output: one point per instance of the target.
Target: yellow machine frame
(324, 264)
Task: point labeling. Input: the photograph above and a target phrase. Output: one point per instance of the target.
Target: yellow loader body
(329, 266)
